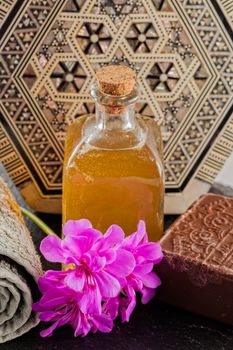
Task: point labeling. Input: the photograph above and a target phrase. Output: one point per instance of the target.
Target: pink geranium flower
(59, 304)
(103, 274)
(142, 279)
(98, 261)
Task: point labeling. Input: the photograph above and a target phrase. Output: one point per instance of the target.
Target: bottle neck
(115, 118)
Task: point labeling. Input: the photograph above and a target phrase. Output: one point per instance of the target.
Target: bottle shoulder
(74, 134)
(151, 123)
(82, 136)
(154, 133)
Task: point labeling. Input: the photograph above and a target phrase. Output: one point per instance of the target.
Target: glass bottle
(113, 169)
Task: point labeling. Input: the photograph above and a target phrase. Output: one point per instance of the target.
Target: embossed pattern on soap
(205, 232)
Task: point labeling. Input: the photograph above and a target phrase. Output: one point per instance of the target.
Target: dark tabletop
(152, 326)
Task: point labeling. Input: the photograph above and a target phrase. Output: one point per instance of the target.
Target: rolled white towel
(19, 270)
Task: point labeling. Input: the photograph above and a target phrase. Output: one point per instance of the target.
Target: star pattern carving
(182, 54)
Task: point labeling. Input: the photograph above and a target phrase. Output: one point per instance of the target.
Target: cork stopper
(116, 80)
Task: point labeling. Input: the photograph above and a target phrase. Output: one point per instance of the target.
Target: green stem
(38, 222)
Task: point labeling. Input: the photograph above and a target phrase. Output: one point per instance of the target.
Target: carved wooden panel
(181, 51)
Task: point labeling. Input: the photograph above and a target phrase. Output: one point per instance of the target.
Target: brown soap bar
(197, 270)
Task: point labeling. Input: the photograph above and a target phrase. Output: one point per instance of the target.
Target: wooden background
(181, 51)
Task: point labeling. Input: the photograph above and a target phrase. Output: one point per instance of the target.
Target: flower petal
(90, 302)
(75, 281)
(103, 323)
(93, 235)
(51, 249)
(54, 275)
(54, 298)
(147, 294)
(44, 284)
(76, 227)
(142, 269)
(150, 252)
(98, 263)
(127, 304)
(111, 307)
(151, 280)
(48, 316)
(134, 239)
(123, 265)
(109, 254)
(79, 245)
(83, 326)
(108, 285)
(141, 229)
(49, 331)
(76, 246)
(114, 235)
